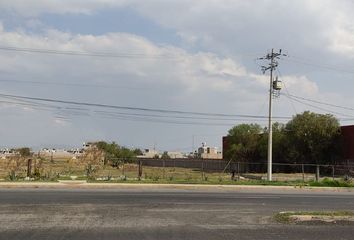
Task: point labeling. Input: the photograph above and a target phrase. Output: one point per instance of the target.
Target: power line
(153, 56)
(91, 54)
(133, 108)
(64, 113)
(320, 108)
(309, 63)
(175, 117)
(70, 84)
(105, 54)
(287, 91)
(323, 103)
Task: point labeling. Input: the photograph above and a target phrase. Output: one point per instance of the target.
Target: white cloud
(212, 77)
(191, 71)
(225, 25)
(31, 8)
(157, 67)
(301, 85)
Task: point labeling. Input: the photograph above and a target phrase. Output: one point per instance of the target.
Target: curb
(149, 186)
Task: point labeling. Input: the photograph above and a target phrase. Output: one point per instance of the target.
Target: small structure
(150, 153)
(175, 154)
(6, 153)
(206, 152)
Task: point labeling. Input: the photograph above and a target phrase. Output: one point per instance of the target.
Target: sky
(175, 55)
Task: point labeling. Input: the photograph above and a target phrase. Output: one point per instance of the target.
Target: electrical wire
(106, 54)
(286, 89)
(323, 103)
(71, 84)
(320, 108)
(175, 117)
(135, 108)
(309, 63)
(91, 54)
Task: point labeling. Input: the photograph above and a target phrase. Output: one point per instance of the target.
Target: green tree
(115, 153)
(243, 142)
(280, 144)
(313, 137)
(165, 155)
(138, 152)
(24, 151)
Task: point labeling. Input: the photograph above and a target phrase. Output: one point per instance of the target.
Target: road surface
(165, 214)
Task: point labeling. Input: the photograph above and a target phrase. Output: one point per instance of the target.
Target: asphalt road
(164, 214)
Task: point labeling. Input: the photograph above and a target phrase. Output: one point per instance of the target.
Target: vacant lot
(68, 168)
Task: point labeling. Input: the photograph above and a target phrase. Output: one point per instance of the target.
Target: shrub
(326, 182)
(220, 179)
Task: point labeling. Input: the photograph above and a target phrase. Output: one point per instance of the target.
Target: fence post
(202, 169)
(163, 168)
(303, 172)
(29, 167)
(123, 170)
(317, 173)
(140, 169)
(238, 171)
(35, 164)
(333, 172)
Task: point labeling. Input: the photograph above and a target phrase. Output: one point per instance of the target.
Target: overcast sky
(184, 55)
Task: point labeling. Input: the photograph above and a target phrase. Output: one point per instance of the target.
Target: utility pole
(274, 88)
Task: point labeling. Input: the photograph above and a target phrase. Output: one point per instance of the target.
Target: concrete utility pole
(273, 86)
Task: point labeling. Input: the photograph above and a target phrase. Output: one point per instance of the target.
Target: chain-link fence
(165, 170)
(234, 170)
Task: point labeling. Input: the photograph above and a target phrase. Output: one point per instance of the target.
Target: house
(150, 153)
(176, 154)
(206, 152)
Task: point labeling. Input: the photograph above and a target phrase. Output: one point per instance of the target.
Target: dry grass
(66, 167)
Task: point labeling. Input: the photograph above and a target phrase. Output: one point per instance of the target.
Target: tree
(93, 158)
(18, 161)
(138, 152)
(115, 153)
(313, 137)
(24, 152)
(165, 155)
(280, 143)
(243, 140)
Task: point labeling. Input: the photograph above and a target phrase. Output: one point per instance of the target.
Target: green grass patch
(330, 183)
(201, 181)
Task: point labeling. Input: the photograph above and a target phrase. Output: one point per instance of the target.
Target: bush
(220, 179)
(326, 182)
(12, 176)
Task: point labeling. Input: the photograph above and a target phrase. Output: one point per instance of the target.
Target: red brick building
(348, 142)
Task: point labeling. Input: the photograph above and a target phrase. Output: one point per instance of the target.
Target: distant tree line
(307, 138)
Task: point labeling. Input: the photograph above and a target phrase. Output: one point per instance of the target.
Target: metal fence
(244, 170)
(184, 170)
